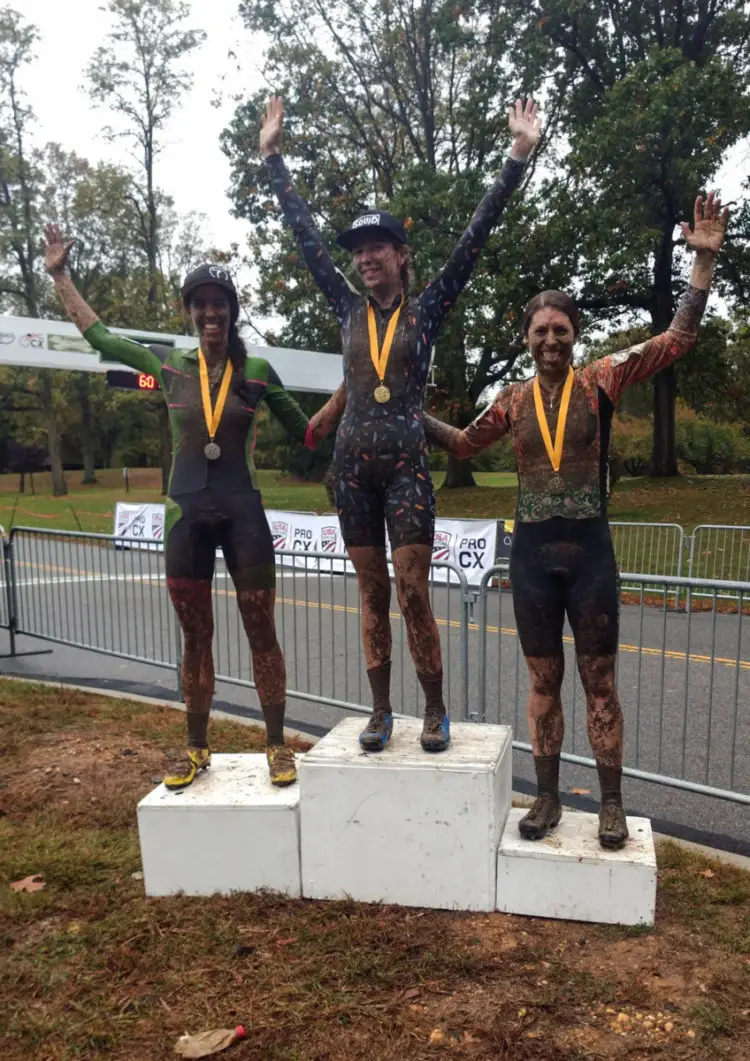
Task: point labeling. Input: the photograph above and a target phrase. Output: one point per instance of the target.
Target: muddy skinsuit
(211, 504)
(562, 560)
(380, 469)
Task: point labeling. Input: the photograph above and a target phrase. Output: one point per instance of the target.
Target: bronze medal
(381, 394)
(556, 484)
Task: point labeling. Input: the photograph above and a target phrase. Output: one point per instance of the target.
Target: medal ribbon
(213, 416)
(380, 357)
(554, 452)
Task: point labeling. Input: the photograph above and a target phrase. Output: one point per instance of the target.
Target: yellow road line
(508, 631)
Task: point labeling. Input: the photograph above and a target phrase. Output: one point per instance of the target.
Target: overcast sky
(192, 168)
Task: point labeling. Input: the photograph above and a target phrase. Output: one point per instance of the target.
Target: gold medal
(213, 416)
(379, 357)
(556, 485)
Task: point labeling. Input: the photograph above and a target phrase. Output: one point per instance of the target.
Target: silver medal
(212, 451)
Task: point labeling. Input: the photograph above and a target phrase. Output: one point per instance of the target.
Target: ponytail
(407, 271)
(236, 351)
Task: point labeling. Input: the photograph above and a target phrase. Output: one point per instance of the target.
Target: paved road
(684, 679)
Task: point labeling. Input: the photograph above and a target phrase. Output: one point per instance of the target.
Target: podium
(404, 826)
(231, 830)
(399, 826)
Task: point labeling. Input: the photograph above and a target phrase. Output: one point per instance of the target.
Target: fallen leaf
(580, 791)
(706, 873)
(437, 1035)
(138, 875)
(34, 883)
(286, 942)
(413, 992)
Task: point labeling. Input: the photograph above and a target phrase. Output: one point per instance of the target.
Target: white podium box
(568, 875)
(231, 830)
(402, 825)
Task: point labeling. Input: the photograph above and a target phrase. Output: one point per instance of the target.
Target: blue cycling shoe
(436, 733)
(377, 732)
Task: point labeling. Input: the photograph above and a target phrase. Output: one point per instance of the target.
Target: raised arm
(440, 296)
(327, 417)
(618, 371)
(114, 347)
(488, 427)
(298, 216)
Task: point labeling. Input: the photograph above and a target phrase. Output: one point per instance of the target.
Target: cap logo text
(366, 221)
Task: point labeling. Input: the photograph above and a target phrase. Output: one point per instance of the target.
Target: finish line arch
(26, 342)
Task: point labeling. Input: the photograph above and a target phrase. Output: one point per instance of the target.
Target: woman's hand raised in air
(525, 127)
(272, 125)
(56, 250)
(709, 225)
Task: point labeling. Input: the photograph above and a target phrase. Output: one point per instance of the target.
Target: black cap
(212, 274)
(374, 222)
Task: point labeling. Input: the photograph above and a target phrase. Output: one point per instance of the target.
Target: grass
(687, 500)
(93, 969)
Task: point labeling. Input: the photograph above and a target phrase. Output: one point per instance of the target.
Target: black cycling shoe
(613, 826)
(545, 814)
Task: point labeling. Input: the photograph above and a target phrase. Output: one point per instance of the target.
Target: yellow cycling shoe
(184, 774)
(282, 768)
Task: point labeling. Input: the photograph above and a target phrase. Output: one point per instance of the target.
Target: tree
(658, 93)
(19, 258)
(25, 459)
(406, 104)
(137, 74)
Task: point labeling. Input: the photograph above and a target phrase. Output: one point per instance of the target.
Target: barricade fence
(684, 676)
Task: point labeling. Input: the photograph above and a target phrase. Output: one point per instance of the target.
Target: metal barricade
(318, 623)
(685, 681)
(100, 593)
(80, 589)
(719, 552)
(649, 548)
(4, 581)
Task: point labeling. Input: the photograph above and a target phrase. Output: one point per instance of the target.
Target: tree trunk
(664, 450)
(82, 384)
(166, 446)
(59, 486)
(458, 474)
(22, 482)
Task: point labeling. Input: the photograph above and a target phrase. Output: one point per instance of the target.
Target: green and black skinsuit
(216, 504)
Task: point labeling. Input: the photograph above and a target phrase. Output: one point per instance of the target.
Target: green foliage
(704, 446)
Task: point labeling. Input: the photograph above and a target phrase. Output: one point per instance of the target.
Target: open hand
(56, 250)
(709, 225)
(525, 127)
(272, 124)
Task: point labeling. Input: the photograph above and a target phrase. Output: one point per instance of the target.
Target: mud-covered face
(378, 262)
(551, 339)
(210, 313)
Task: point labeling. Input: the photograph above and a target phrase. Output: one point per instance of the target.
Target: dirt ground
(91, 968)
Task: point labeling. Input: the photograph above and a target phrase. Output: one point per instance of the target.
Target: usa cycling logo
(157, 525)
(328, 537)
(441, 548)
(366, 221)
(217, 273)
(279, 533)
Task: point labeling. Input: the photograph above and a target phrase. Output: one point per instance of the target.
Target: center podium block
(405, 826)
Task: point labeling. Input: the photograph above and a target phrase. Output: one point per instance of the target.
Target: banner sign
(469, 545)
(142, 526)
